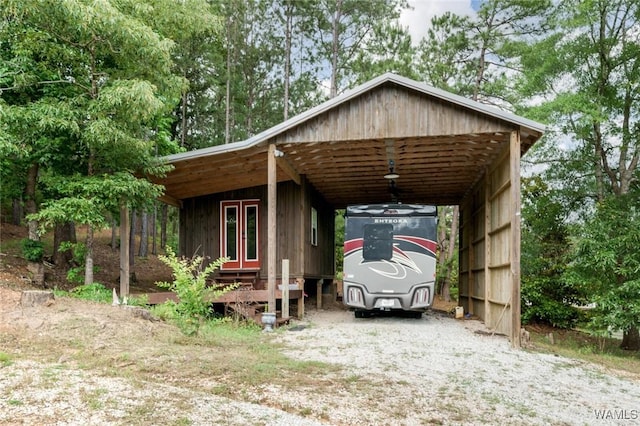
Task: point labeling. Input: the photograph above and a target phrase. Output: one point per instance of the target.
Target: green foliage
(607, 262)
(190, 285)
(543, 302)
(32, 250)
(5, 359)
(95, 292)
(90, 199)
(547, 295)
(339, 241)
(449, 269)
(76, 274)
(78, 250)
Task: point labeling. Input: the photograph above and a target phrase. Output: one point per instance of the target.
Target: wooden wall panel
(499, 232)
(200, 229)
(489, 233)
(392, 112)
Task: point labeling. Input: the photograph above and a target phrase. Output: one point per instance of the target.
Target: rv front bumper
(419, 298)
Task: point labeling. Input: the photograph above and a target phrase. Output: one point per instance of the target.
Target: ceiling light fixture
(392, 174)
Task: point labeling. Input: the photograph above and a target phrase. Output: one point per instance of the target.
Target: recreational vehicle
(389, 258)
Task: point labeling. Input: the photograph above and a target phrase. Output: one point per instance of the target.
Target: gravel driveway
(439, 370)
(398, 371)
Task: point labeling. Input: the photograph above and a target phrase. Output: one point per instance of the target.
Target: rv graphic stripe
(425, 244)
(353, 246)
(401, 243)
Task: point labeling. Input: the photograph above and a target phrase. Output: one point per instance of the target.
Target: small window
(314, 227)
(378, 242)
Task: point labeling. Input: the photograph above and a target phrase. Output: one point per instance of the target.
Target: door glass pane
(251, 233)
(231, 232)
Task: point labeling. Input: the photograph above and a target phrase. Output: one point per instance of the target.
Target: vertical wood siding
(200, 229)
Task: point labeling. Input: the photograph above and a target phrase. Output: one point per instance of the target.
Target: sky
(418, 19)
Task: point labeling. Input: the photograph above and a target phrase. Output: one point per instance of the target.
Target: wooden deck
(232, 297)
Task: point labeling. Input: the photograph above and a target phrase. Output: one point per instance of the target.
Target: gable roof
(439, 142)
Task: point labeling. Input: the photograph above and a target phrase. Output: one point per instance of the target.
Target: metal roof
(440, 144)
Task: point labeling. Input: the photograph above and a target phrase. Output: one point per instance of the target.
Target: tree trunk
(164, 217)
(36, 268)
(154, 231)
(30, 204)
(132, 239)
(144, 234)
(335, 49)
(227, 108)
(114, 234)
(287, 56)
(63, 232)
(453, 235)
(442, 249)
(88, 259)
(17, 211)
(631, 340)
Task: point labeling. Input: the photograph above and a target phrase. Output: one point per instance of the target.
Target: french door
(240, 234)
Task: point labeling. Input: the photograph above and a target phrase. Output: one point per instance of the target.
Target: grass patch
(582, 346)
(224, 358)
(5, 359)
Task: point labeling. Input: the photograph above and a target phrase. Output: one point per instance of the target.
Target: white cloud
(418, 17)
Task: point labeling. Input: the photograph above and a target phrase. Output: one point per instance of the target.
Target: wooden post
(303, 231)
(124, 251)
(471, 259)
(515, 237)
(319, 294)
(271, 226)
(301, 299)
(488, 279)
(285, 288)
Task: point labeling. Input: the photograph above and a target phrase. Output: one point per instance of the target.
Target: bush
(32, 250)
(190, 285)
(95, 292)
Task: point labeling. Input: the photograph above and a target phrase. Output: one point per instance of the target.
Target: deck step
(228, 277)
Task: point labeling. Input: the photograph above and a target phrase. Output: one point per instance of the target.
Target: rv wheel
(360, 314)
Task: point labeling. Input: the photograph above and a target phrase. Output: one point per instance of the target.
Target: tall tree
(547, 296)
(87, 84)
(586, 74)
(196, 56)
(477, 57)
(389, 48)
(342, 28)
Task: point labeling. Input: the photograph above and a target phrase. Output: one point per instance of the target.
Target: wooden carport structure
(447, 150)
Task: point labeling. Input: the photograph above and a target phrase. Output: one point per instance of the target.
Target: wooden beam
(234, 296)
(472, 256)
(272, 193)
(286, 166)
(305, 215)
(488, 279)
(515, 237)
(168, 199)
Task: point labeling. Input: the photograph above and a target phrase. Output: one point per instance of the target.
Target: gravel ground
(447, 371)
(399, 371)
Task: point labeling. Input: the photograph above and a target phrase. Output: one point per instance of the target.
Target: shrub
(95, 292)
(190, 285)
(32, 250)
